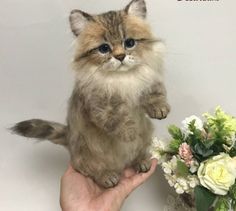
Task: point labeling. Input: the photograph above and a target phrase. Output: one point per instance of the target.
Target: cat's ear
(78, 20)
(137, 8)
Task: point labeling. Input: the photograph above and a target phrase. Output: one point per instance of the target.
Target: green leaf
(174, 145)
(222, 204)
(232, 152)
(175, 132)
(233, 205)
(200, 149)
(203, 198)
(232, 191)
(192, 126)
(209, 143)
(182, 169)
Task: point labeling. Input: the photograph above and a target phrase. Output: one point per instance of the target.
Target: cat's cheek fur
(114, 65)
(111, 65)
(130, 61)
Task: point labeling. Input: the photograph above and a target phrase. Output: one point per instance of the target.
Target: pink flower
(186, 154)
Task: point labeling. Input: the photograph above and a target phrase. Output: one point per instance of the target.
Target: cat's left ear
(137, 8)
(78, 21)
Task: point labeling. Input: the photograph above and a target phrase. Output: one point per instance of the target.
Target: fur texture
(118, 66)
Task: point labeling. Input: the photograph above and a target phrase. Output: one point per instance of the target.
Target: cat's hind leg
(100, 171)
(108, 179)
(142, 163)
(143, 166)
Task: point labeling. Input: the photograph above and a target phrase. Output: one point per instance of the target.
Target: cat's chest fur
(128, 85)
(131, 86)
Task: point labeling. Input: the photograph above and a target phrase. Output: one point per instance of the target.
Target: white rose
(218, 173)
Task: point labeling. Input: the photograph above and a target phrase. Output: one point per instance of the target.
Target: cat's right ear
(137, 8)
(78, 20)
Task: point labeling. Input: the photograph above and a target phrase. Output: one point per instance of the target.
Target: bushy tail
(41, 129)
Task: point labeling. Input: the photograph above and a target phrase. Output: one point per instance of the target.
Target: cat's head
(114, 41)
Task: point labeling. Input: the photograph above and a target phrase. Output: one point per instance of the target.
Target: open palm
(80, 193)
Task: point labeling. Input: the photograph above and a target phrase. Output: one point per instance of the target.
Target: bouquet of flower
(200, 161)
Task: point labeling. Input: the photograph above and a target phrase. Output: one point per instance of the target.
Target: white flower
(158, 149)
(167, 168)
(198, 124)
(218, 173)
(170, 166)
(181, 184)
(193, 182)
(171, 179)
(194, 165)
(179, 189)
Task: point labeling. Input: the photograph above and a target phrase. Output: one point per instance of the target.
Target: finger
(136, 180)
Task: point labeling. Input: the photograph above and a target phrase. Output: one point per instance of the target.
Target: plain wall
(36, 81)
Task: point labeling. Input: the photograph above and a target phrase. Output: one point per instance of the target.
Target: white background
(36, 81)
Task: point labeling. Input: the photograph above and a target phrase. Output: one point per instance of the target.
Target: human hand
(80, 193)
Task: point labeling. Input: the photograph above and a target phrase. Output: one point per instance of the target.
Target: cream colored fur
(129, 81)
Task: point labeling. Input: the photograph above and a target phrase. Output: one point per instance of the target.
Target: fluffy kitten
(118, 65)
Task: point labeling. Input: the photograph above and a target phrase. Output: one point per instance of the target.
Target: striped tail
(41, 129)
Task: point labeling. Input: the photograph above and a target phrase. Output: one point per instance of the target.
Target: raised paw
(143, 166)
(159, 112)
(109, 180)
(162, 111)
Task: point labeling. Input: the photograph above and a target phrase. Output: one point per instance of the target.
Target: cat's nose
(120, 57)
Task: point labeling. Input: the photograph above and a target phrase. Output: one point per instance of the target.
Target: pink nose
(120, 57)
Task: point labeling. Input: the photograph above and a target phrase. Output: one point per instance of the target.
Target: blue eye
(130, 43)
(104, 48)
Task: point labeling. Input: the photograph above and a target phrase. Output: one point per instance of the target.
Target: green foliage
(202, 152)
(196, 135)
(192, 126)
(208, 143)
(220, 128)
(232, 152)
(218, 131)
(221, 125)
(232, 191)
(233, 205)
(182, 170)
(216, 137)
(175, 132)
(174, 145)
(222, 204)
(232, 195)
(203, 198)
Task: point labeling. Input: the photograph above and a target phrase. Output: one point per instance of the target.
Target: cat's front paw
(108, 179)
(159, 112)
